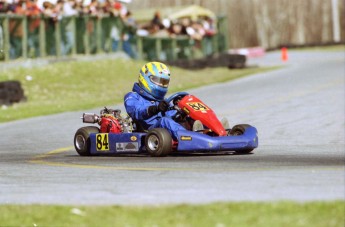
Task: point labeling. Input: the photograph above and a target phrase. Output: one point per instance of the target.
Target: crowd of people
(197, 30)
(58, 9)
(200, 31)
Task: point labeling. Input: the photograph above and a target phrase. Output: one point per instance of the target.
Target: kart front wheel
(82, 141)
(239, 130)
(158, 142)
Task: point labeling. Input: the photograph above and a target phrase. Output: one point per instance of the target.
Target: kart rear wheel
(239, 130)
(158, 142)
(82, 141)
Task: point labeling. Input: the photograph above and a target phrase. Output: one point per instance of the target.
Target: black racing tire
(158, 142)
(239, 130)
(82, 141)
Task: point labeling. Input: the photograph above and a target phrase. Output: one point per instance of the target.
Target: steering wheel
(175, 97)
(174, 100)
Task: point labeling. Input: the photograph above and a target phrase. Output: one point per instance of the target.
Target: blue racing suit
(137, 103)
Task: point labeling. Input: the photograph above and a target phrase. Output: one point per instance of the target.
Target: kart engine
(110, 121)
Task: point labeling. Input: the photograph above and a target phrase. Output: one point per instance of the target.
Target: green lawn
(70, 86)
(289, 214)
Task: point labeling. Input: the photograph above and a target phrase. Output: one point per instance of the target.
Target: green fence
(23, 37)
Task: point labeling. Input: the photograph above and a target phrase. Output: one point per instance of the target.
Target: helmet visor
(160, 81)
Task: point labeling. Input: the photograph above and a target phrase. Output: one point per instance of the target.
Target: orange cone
(284, 54)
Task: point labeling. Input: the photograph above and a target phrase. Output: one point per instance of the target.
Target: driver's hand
(163, 106)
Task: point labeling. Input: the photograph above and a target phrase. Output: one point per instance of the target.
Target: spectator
(80, 7)
(69, 8)
(115, 9)
(209, 26)
(3, 9)
(94, 8)
(68, 34)
(16, 29)
(156, 23)
(107, 6)
(210, 31)
(33, 13)
(4, 6)
(128, 34)
(49, 10)
(196, 31)
(51, 13)
(175, 29)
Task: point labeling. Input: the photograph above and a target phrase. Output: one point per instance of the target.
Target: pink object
(250, 52)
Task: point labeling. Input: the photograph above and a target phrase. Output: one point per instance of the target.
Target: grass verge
(71, 86)
(281, 214)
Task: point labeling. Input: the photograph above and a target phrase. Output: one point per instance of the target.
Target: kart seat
(138, 127)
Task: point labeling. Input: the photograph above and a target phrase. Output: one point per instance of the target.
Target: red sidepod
(198, 110)
(109, 124)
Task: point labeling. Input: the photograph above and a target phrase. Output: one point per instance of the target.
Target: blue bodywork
(194, 141)
(188, 141)
(122, 143)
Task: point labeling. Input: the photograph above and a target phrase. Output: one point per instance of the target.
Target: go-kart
(118, 134)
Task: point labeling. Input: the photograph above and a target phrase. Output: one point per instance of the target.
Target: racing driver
(146, 104)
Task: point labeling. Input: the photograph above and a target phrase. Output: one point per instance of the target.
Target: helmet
(154, 78)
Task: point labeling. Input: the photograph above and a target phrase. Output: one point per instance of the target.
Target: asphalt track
(299, 113)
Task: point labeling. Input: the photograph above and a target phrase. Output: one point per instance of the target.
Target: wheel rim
(238, 133)
(153, 142)
(80, 142)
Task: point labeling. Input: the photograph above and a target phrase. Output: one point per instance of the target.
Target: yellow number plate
(102, 142)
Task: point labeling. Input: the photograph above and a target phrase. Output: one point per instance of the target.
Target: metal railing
(39, 37)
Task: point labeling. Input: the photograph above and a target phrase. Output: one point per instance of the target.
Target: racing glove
(162, 107)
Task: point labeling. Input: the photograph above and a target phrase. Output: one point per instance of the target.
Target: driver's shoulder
(136, 98)
(131, 94)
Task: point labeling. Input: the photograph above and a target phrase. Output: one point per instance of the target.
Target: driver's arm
(136, 106)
